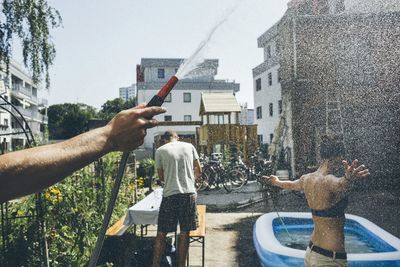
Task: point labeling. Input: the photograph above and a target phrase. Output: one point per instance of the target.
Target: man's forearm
(27, 171)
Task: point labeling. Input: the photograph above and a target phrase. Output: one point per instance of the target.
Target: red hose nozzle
(164, 91)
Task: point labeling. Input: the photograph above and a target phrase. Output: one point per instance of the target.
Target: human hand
(126, 131)
(272, 179)
(355, 170)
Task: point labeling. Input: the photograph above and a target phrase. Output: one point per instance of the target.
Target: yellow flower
(47, 195)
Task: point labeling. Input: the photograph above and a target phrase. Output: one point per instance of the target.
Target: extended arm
(28, 171)
(352, 172)
(296, 185)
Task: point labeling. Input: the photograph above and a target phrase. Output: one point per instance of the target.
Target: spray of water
(192, 66)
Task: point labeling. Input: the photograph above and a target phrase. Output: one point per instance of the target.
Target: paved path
(220, 199)
(228, 241)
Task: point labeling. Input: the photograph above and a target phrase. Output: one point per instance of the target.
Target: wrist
(107, 139)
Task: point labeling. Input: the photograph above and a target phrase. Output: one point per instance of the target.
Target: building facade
(339, 77)
(19, 89)
(267, 88)
(184, 101)
(128, 92)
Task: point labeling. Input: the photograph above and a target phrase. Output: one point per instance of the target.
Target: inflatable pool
(366, 243)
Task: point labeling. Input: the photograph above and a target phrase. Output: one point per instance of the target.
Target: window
(271, 137)
(220, 119)
(6, 122)
(259, 112)
(168, 98)
(269, 78)
(187, 97)
(279, 75)
(280, 106)
(161, 73)
(167, 118)
(271, 109)
(258, 84)
(260, 139)
(269, 51)
(187, 118)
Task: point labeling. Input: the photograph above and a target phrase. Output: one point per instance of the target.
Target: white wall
(177, 109)
(272, 44)
(267, 94)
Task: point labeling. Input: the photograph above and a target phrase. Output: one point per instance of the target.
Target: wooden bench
(118, 228)
(199, 234)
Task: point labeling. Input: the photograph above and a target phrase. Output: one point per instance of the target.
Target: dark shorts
(178, 208)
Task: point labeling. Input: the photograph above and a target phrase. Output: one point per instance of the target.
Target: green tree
(112, 107)
(30, 21)
(67, 120)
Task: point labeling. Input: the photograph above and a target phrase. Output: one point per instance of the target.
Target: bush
(74, 211)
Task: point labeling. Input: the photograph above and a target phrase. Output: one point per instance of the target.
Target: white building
(128, 92)
(184, 101)
(267, 88)
(246, 116)
(19, 89)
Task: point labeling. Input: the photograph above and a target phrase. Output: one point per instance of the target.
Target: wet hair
(331, 147)
(169, 134)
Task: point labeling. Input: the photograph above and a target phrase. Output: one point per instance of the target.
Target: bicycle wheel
(238, 178)
(227, 183)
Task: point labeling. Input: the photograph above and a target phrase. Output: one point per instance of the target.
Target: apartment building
(339, 76)
(19, 89)
(183, 103)
(267, 87)
(128, 92)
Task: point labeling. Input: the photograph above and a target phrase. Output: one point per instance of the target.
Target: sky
(101, 42)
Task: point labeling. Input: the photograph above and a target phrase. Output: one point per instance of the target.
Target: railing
(26, 91)
(25, 112)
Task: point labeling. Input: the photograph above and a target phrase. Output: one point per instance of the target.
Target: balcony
(27, 92)
(25, 112)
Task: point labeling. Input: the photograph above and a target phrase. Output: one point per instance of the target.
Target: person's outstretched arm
(30, 170)
(296, 185)
(353, 172)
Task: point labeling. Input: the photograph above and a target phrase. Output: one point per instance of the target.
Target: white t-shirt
(176, 160)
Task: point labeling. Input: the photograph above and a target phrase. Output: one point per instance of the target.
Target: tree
(30, 21)
(67, 120)
(110, 108)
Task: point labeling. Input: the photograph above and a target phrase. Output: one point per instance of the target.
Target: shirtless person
(326, 195)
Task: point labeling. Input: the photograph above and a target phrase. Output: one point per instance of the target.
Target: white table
(145, 212)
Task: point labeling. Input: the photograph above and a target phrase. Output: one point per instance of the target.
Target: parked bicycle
(216, 174)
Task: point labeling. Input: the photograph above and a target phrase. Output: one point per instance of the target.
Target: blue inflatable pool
(366, 243)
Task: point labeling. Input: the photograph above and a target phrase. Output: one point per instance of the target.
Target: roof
(218, 103)
(172, 62)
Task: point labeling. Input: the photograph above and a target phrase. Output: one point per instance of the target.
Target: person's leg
(167, 222)
(183, 246)
(188, 221)
(159, 248)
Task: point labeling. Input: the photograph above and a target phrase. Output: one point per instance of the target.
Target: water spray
(157, 100)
